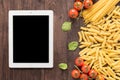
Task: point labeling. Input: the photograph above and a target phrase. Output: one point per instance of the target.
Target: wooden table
(61, 39)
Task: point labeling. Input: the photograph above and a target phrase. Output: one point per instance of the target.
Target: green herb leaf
(66, 26)
(73, 45)
(63, 66)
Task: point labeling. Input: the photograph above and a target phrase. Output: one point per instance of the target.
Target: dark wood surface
(61, 39)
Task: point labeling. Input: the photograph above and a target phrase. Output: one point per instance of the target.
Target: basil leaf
(66, 26)
(73, 45)
(63, 66)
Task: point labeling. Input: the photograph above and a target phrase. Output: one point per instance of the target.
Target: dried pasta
(99, 10)
(101, 44)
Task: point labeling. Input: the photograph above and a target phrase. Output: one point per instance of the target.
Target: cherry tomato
(78, 5)
(84, 77)
(85, 68)
(79, 62)
(75, 73)
(88, 3)
(77, 0)
(100, 77)
(73, 13)
(92, 74)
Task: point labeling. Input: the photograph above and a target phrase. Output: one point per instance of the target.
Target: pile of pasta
(100, 45)
(99, 10)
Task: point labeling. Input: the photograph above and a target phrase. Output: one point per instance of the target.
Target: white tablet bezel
(10, 33)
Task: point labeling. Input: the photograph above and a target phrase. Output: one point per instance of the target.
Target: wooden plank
(4, 21)
(61, 38)
(27, 74)
(72, 36)
(15, 74)
(1, 41)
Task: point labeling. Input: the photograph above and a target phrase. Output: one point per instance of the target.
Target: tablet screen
(31, 39)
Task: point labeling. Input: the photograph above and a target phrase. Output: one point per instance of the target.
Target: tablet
(30, 38)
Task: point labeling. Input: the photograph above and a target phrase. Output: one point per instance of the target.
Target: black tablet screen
(30, 39)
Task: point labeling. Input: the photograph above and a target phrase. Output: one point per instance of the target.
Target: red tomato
(77, 0)
(73, 13)
(75, 73)
(100, 77)
(92, 74)
(84, 77)
(78, 5)
(85, 68)
(88, 3)
(79, 62)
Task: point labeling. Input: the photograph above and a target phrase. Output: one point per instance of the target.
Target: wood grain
(61, 39)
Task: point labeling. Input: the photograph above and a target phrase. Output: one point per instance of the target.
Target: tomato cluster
(78, 6)
(83, 70)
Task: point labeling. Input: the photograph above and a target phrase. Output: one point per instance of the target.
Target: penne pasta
(100, 41)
